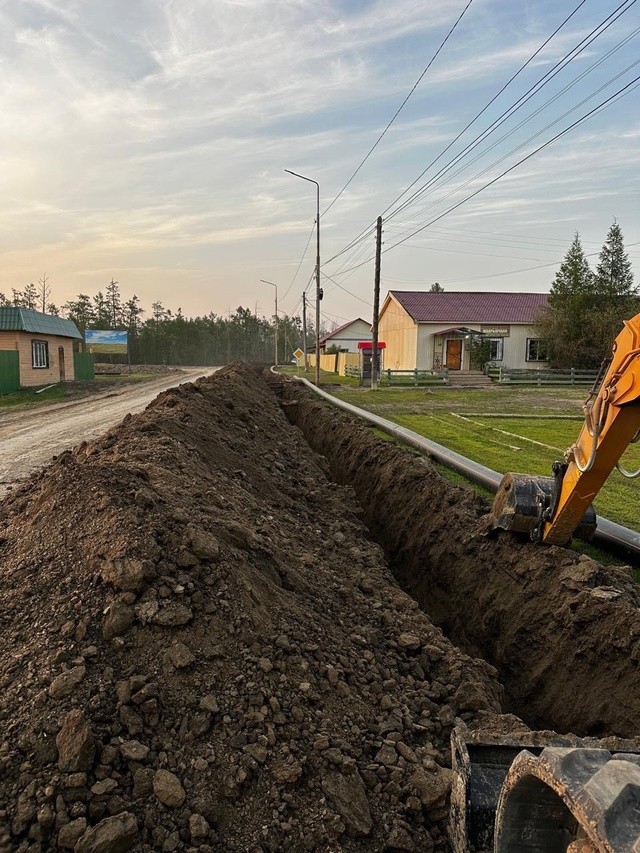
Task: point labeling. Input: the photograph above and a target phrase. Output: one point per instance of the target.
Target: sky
(147, 141)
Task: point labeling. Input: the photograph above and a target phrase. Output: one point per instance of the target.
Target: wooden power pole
(376, 307)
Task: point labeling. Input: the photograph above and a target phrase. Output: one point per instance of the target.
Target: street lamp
(318, 288)
(264, 281)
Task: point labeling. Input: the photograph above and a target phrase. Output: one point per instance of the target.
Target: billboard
(107, 341)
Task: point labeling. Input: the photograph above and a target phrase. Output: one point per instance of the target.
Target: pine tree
(101, 312)
(80, 310)
(114, 305)
(614, 278)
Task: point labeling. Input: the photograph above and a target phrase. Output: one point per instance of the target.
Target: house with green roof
(35, 348)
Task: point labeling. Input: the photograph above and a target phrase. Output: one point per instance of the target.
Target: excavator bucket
(521, 499)
(517, 503)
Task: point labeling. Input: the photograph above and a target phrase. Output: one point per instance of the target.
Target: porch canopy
(460, 330)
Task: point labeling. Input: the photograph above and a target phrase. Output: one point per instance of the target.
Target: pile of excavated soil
(201, 648)
(562, 630)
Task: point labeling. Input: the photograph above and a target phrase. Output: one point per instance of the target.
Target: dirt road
(29, 438)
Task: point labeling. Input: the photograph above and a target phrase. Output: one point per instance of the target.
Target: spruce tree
(587, 311)
(574, 278)
(614, 279)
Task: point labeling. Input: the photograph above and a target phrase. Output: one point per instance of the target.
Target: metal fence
(9, 371)
(83, 366)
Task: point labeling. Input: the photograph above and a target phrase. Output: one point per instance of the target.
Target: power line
(337, 284)
(439, 175)
(313, 228)
(519, 147)
(397, 112)
(500, 274)
(616, 95)
(567, 58)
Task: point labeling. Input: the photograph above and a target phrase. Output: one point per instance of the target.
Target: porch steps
(468, 379)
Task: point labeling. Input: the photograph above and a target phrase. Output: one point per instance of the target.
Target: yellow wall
(336, 363)
(327, 362)
(30, 376)
(399, 332)
(347, 359)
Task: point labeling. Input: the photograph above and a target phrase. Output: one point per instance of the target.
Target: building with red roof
(425, 330)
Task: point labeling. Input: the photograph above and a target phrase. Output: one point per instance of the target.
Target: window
(39, 354)
(536, 350)
(495, 349)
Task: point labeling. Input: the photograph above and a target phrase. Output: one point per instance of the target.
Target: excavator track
(540, 791)
(570, 799)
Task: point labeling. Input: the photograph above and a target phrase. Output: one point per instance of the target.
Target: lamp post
(318, 288)
(264, 281)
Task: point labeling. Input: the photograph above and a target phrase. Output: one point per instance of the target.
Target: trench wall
(563, 630)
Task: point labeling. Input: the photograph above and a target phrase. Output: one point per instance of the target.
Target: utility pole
(376, 306)
(275, 325)
(304, 329)
(319, 293)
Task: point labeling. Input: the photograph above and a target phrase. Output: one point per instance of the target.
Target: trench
(562, 630)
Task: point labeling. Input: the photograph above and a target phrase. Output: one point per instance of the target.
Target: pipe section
(609, 535)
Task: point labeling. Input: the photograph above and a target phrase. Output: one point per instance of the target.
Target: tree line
(167, 337)
(585, 312)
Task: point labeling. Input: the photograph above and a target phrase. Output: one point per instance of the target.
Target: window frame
(39, 348)
(499, 349)
(528, 356)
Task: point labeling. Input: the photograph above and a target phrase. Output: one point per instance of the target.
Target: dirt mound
(201, 649)
(562, 630)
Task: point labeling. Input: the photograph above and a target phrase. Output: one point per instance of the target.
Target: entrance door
(454, 354)
(61, 361)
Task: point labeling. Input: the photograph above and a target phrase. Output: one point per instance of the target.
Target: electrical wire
(519, 147)
(313, 228)
(337, 284)
(601, 106)
(566, 59)
(438, 177)
(498, 274)
(398, 111)
(569, 57)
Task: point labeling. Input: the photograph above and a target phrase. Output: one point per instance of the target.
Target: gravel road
(30, 437)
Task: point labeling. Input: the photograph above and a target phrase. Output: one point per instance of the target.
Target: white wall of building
(348, 338)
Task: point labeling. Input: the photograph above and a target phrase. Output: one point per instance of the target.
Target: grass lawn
(325, 378)
(28, 397)
(507, 429)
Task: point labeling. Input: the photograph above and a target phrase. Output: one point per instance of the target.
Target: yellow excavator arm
(552, 509)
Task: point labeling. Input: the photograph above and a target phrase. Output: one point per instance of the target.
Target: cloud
(139, 131)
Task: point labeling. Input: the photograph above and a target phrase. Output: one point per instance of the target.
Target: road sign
(298, 353)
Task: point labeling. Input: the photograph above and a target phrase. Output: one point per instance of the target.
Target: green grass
(496, 428)
(325, 377)
(28, 397)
